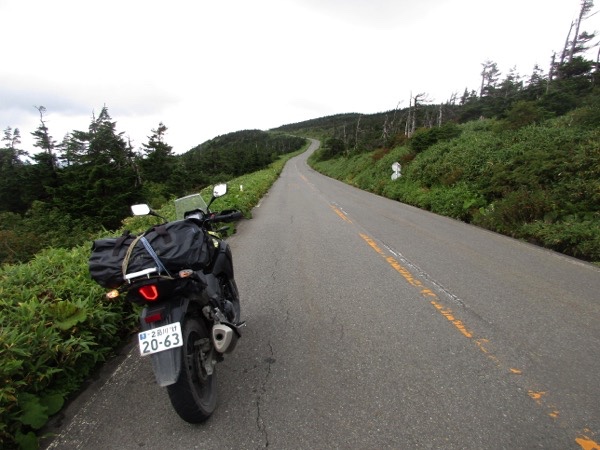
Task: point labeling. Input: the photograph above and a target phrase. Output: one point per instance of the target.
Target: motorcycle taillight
(149, 292)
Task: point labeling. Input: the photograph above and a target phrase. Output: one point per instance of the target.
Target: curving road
(372, 324)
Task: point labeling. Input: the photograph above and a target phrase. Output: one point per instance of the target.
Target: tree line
(65, 192)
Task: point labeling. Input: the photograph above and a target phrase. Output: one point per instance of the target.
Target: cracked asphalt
(375, 325)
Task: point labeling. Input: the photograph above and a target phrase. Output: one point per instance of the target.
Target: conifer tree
(12, 172)
(159, 159)
(101, 181)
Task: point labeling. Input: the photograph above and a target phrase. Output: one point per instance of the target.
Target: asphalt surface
(372, 324)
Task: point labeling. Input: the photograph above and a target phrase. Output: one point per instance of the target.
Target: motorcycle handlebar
(227, 216)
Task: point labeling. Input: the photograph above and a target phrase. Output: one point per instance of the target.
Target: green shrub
(572, 236)
(558, 102)
(409, 192)
(458, 201)
(17, 246)
(332, 147)
(54, 328)
(42, 226)
(588, 115)
(507, 214)
(426, 137)
(523, 113)
(471, 157)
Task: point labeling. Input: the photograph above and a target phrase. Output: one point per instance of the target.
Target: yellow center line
(341, 214)
(425, 292)
(583, 441)
(587, 444)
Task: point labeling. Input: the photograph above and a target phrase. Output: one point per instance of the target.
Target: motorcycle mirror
(219, 190)
(140, 210)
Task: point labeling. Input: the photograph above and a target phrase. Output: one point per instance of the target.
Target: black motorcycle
(181, 272)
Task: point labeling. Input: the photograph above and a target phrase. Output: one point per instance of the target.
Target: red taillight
(149, 292)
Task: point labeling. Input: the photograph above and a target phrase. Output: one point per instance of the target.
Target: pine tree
(489, 77)
(12, 172)
(100, 182)
(159, 159)
(42, 137)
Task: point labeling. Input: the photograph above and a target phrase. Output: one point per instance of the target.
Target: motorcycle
(191, 316)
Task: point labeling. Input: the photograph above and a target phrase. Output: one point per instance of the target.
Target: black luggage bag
(178, 245)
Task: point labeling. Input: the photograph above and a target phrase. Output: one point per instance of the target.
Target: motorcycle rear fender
(166, 364)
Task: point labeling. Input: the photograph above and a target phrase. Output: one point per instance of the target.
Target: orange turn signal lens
(112, 294)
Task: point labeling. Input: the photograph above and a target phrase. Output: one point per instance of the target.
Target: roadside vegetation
(539, 183)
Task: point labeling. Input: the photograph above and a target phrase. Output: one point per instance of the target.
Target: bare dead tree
(575, 41)
(489, 75)
(429, 119)
(597, 66)
(446, 107)
(551, 71)
(385, 133)
(586, 7)
(411, 121)
(396, 109)
(563, 55)
(453, 99)
(357, 132)
(408, 118)
(389, 126)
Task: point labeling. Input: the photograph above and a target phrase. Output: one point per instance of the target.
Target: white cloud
(209, 68)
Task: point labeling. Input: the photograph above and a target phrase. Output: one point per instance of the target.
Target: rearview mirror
(219, 190)
(140, 210)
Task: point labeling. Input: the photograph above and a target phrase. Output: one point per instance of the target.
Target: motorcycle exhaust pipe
(224, 338)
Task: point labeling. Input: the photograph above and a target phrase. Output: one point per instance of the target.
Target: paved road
(372, 324)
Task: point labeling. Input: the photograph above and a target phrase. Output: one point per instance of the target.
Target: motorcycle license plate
(160, 339)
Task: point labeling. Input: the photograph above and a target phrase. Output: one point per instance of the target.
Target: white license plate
(160, 339)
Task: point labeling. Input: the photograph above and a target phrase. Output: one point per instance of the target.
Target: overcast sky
(206, 68)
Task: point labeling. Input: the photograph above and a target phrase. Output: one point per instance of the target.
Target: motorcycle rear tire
(194, 395)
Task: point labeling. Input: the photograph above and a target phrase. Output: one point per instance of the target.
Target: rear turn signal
(149, 292)
(185, 273)
(112, 294)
